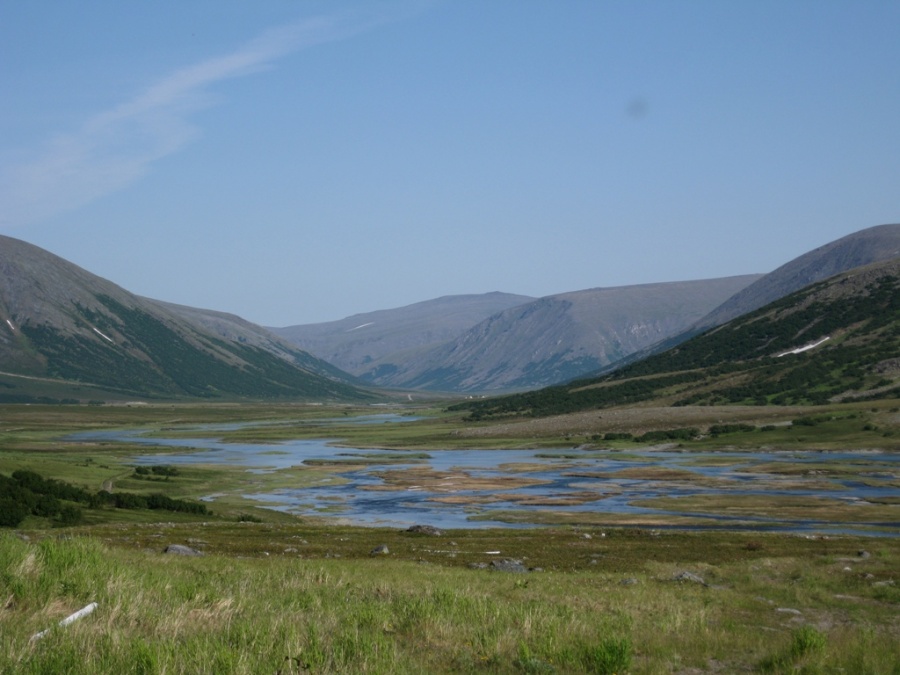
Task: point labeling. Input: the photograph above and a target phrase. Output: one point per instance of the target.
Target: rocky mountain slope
(355, 343)
(864, 247)
(550, 339)
(60, 323)
(835, 340)
(559, 337)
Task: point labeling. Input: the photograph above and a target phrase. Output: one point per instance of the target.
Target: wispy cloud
(117, 146)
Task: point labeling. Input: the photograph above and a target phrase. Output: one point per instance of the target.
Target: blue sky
(297, 162)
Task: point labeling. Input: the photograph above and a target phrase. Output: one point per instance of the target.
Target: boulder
(508, 565)
(689, 576)
(180, 549)
(430, 530)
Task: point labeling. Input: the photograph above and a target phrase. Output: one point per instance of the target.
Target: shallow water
(366, 498)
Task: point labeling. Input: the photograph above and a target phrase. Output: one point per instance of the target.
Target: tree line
(27, 493)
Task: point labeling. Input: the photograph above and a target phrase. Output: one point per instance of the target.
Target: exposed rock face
(531, 344)
(356, 343)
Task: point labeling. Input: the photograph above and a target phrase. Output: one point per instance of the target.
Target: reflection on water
(457, 485)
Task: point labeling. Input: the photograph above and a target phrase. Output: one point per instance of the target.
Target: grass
(277, 594)
(253, 613)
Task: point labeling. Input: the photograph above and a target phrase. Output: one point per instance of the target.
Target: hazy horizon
(304, 162)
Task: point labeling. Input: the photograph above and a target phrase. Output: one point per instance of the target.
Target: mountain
(855, 250)
(553, 338)
(61, 324)
(355, 343)
(835, 340)
(235, 329)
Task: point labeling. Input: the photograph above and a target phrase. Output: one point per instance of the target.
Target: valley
(724, 499)
(591, 482)
(428, 338)
(629, 591)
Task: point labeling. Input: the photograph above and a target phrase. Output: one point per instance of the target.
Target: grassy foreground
(766, 604)
(289, 596)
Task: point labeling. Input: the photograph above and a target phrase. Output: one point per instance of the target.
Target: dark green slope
(154, 359)
(854, 317)
(62, 328)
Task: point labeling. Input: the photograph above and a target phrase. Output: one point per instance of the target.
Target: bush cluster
(722, 429)
(160, 471)
(743, 355)
(27, 493)
(684, 434)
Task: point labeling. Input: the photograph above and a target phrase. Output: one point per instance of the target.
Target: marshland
(695, 577)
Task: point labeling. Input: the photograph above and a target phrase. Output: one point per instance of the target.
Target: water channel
(480, 488)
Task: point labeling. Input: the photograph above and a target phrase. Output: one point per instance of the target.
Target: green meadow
(273, 593)
(290, 599)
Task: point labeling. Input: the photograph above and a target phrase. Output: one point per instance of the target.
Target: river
(481, 488)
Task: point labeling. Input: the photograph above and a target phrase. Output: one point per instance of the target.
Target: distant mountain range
(65, 332)
(359, 342)
(834, 340)
(537, 342)
(551, 339)
(499, 341)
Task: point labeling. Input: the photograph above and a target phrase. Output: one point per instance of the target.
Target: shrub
(608, 657)
(12, 513)
(722, 429)
(807, 640)
(684, 434)
(70, 515)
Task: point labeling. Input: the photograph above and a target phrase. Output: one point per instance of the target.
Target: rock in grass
(689, 576)
(430, 530)
(380, 550)
(179, 549)
(508, 565)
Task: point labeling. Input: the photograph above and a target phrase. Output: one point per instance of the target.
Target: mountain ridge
(836, 339)
(355, 342)
(863, 247)
(61, 322)
(544, 340)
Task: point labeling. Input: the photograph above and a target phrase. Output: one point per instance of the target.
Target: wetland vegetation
(585, 591)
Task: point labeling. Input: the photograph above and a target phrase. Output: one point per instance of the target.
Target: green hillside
(67, 335)
(156, 360)
(853, 320)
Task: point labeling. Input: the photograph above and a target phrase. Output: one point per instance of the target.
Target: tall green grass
(217, 614)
